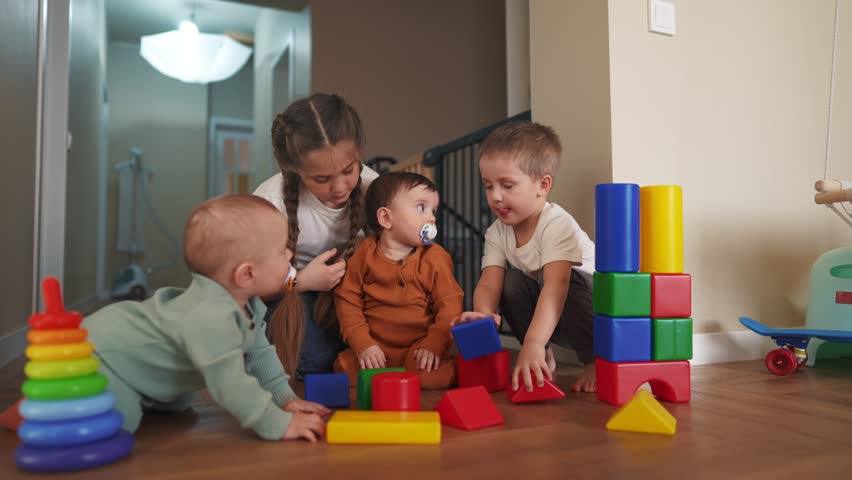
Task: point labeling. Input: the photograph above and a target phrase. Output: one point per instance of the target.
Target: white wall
(87, 86)
(168, 119)
(274, 32)
(234, 97)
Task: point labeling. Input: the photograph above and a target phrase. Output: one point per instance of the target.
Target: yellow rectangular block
(364, 426)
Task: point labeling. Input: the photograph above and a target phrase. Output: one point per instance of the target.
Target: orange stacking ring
(56, 320)
(68, 351)
(56, 337)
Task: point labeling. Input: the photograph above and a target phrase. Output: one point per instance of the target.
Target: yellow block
(68, 351)
(364, 426)
(661, 229)
(643, 414)
(61, 368)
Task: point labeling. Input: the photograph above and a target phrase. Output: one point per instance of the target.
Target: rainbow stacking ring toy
(70, 422)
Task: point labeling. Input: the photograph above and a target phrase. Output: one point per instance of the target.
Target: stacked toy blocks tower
(642, 299)
(69, 420)
(481, 359)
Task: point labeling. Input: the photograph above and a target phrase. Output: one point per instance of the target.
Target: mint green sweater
(183, 340)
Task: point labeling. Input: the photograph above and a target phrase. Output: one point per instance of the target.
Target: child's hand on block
(531, 361)
(471, 316)
(309, 426)
(426, 359)
(304, 406)
(372, 357)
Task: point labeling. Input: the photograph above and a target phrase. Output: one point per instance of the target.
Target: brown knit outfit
(399, 306)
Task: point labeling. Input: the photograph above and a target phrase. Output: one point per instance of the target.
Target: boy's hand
(304, 406)
(372, 357)
(319, 277)
(426, 359)
(470, 316)
(309, 426)
(531, 358)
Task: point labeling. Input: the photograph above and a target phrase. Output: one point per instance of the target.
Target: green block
(365, 384)
(671, 338)
(622, 294)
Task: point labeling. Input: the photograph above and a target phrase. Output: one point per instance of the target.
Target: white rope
(831, 87)
(839, 214)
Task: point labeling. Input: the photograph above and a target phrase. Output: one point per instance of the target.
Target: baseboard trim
(707, 348)
(12, 346)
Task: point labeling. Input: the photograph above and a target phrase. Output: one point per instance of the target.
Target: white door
(231, 165)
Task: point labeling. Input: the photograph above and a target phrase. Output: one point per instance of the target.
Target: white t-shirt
(557, 237)
(320, 228)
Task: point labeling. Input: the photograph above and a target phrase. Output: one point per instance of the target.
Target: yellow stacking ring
(68, 351)
(61, 368)
(53, 337)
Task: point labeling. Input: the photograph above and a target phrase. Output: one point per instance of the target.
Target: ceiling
(127, 20)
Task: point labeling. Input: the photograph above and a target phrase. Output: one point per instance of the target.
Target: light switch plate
(661, 17)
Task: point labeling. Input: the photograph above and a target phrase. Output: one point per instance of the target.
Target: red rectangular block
(491, 371)
(671, 295)
(618, 381)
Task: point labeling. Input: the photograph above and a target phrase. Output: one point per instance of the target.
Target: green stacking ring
(47, 370)
(60, 389)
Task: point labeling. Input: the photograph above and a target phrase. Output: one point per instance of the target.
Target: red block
(492, 371)
(671, 295)
(617, 382)
(548, 392)
(396, 391)
(469, 409)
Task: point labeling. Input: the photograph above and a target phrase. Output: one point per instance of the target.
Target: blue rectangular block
(622, 339)
(329, 389)
(477, 338)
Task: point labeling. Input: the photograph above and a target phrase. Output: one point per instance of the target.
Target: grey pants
(574, 330)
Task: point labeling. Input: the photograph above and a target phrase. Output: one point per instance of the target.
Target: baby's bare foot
(550, 359)
(586, 381)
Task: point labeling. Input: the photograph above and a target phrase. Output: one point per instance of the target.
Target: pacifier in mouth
(428, 233)
(289, 280)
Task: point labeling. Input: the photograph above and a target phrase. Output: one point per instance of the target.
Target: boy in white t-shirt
(538, 262)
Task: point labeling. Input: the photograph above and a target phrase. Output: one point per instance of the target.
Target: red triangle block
(469, 409)
(548, 392)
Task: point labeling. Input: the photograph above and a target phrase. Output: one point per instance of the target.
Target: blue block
(329, 389)
(477, 338)
(617, 227)
(622, 339)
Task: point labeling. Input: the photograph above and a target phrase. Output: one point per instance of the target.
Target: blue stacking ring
(66, 433)
(81, 457)
(51, 410)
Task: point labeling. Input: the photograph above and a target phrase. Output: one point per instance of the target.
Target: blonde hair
(535, 147)
(319, 121)
(216, 232)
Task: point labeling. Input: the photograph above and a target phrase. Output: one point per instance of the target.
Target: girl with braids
(317, 142)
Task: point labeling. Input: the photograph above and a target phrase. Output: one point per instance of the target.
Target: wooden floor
(742, 422)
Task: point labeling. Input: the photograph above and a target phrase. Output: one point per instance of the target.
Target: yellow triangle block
(644, 414)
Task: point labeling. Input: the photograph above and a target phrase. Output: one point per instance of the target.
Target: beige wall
(277, 33)
(733, 108)
(569, 71)
(168, 119)
(419, 73)
(87, 85)
(517, 56)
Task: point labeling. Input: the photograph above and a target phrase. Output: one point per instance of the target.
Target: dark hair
(385, 187)
(319, 121)
(534, 146)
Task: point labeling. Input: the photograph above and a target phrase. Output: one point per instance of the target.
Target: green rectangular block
(622, 294)
(365, 385)
(671, 338)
